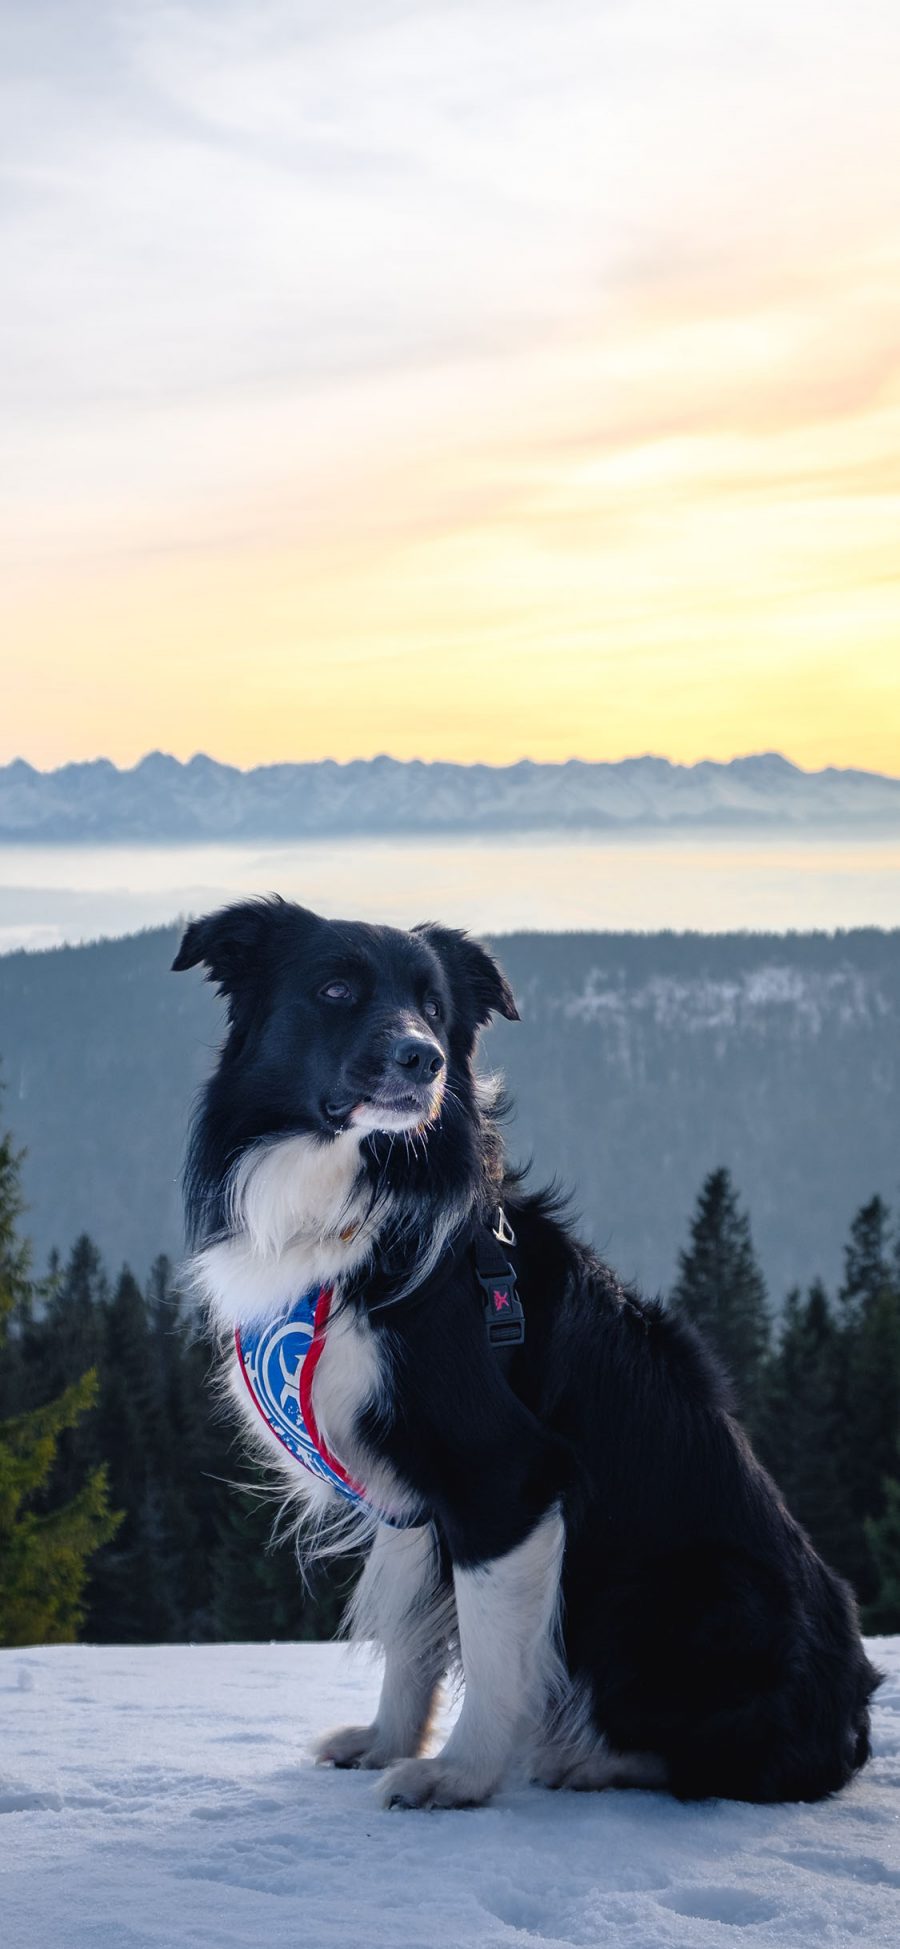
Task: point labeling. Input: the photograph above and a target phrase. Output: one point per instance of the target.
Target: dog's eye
(432, 1008)
(336, 991)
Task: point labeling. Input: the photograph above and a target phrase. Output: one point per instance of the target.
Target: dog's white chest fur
(299, 1218)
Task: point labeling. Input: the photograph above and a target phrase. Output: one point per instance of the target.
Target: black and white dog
(576, 1519)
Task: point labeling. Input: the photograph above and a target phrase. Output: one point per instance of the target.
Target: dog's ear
(470, 968)
(227, 943)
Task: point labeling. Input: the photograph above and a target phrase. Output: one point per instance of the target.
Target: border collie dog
(574, 1518)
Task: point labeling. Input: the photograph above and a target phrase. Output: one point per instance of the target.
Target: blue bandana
(278, 1359)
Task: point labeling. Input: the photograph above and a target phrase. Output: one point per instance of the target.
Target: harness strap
(307, 1376)
(504, 1314)
(480, 1249)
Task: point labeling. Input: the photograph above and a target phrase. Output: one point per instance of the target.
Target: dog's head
(337, 1025)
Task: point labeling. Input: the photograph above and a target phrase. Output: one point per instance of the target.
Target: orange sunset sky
(451, 380)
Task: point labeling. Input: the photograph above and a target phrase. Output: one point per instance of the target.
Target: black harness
(483, 1247)
(277, 1358)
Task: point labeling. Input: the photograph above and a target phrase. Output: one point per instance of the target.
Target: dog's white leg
(401, 1602)
(507, 1611)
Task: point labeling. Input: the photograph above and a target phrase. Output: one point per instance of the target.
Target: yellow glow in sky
(463, 394)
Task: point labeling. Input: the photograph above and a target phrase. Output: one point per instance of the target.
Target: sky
(455, 380)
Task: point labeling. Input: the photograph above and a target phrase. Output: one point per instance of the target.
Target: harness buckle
(504, 1315)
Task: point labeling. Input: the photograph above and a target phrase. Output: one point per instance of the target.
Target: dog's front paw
(353, 1746)
(431, 1783)
(550, 1767)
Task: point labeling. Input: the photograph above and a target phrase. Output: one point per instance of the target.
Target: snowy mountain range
(162, 799)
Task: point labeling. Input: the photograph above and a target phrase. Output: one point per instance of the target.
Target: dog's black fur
(697, 1621)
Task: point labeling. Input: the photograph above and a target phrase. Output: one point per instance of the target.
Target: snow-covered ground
(162, 1798)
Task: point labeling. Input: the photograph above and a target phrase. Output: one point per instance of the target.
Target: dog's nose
(418, 1056)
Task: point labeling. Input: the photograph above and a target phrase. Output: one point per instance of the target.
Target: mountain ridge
(164, 798)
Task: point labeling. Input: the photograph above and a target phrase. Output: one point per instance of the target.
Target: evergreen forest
(130, 1514)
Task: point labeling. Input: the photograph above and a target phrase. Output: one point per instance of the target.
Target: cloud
(434, 321)
(272, 195)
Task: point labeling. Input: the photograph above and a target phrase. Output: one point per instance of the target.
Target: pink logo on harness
(500, 1300)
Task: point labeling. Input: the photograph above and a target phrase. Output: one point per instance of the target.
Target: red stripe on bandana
(307, 1376)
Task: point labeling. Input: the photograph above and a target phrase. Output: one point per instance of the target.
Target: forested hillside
(641, 1063)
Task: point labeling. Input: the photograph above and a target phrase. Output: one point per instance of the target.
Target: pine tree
(44, 1551)
(720, 1289)
(883, 1532)
(15, 1281)
(130, 1587)
(44, 1554)
(196, 1453)
(870, 1346)
(883, 1537)
(800, 1434)
(74, 1317)
(63, 1338)
(867, 1265)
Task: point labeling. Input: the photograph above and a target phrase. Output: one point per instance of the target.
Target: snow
(161, 1797)
(807, 1000)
